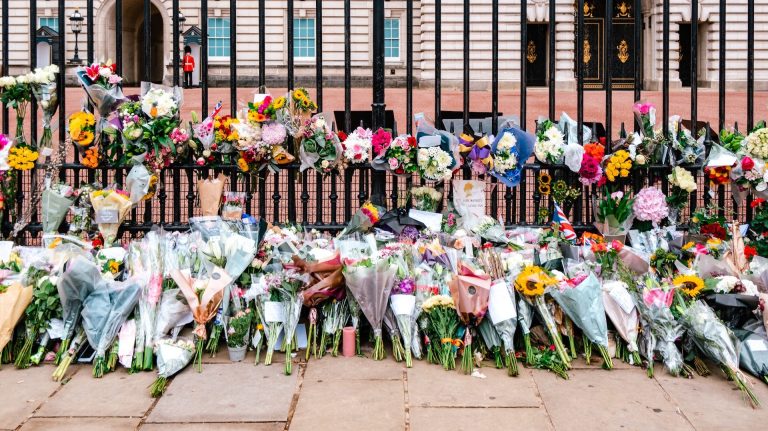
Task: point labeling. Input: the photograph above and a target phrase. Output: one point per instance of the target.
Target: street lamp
(76, 21)
(182, 19)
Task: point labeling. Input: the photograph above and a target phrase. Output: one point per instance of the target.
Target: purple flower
(405, 287)
(410, 233)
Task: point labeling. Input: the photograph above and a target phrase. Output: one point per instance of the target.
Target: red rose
(412, 142)
(551, 347)
(747, 163)
(756, 203)
(749, 251)
(714, 230)
(342, 136)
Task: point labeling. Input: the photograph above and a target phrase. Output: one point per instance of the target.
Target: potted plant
(237, 334)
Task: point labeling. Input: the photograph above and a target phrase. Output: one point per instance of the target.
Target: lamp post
(182, 20)
(76, 21)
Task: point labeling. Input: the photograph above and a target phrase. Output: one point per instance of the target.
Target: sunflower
(306, 104)
(545, 178)
(243, 165)
(85, 138)
(299, 94)
(278, 103)
(545, 189)
(691, 285)
(532, 281)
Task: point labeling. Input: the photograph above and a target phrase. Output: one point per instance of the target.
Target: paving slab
(713, 403)
(23, 392)
(597, 363)
(81, 424)
(229, 426)
(431, 386)
(234, 392)
(354, 368)
(353, 405)
(115, 394)
(599, 399)
(472, 419)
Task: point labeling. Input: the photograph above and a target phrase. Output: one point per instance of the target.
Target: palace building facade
(621, 51)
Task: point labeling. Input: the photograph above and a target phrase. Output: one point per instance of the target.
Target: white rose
(640, 159)
(22, 79)
(105, 72)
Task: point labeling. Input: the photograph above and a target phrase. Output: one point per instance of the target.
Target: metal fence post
(378, 178)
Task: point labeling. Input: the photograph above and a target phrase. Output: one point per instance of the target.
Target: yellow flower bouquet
(111, 208)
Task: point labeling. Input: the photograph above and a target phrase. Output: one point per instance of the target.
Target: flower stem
(528, 349)
(312, 342)
(378, 349)
(607, 362)
(199, 355)
(587, 349)
(466, 359)
(99, 366)
(511, 363)
(22, 359)
(158, 387)
(336, 342)
(288, 359)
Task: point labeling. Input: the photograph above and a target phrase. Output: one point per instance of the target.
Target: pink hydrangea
(273, 134)
(650, 205)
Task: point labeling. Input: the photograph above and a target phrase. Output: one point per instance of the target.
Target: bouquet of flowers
(320, 146)
(650, 208)
(442, 326)
(398, 157)
(490, 229)
(104, 311)
(532, 282)
(225, 133)
(44, 307)
(16, 92)
(437, 153)
(511, 148)
(590, 171)
(210, 191)
(501, 307)
(233, 207)
(238, 329)
(621, 309)
(130, 123)
(56, 200)
(370, 279)
(44, 86)
(426, 198)
(103, 87)
(403, 304)
(357, 146)
(713, 338)
(690, 149)
(683, 184)
(550, 143)
(203, 294)
(719, 164)
(706, 222)
(645, 115)
(476, 151)
(582, 302)
(295, 112)
(660, 328)
(617, 166)
(111, 207)
(363, 219)
(613, 215)
(82, 128)
(14, 299)
(261, 146)
(160, 106)
(172, 357)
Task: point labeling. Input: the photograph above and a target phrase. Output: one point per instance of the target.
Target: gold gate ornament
(531, 56)
(587, 52)
(623, 51)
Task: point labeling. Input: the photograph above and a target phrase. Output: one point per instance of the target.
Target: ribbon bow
(477, 153)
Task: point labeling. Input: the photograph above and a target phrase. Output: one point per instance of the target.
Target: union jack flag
(216, 109)
(564, 224)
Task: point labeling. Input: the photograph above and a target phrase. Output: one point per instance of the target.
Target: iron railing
(328, 202)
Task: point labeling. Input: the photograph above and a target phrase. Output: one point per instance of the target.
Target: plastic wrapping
(403, 306)
(753, 349)
(661, 329)
(371, 287)
(137, 182)
(171, 312)
(621, 309)
(105, 310)
(80, 279)
(583, 304)
(54, 208)
(172, 356)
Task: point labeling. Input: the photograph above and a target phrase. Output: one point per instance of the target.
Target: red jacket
(189, 63)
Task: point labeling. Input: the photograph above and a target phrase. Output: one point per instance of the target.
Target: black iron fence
(328, 202)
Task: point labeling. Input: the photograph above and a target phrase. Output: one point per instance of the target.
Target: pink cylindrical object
(348, 348)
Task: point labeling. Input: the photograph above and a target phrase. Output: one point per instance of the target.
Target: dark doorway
(156, 60)
(536, 56)
(684, 57)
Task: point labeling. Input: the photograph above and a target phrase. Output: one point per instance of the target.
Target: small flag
(216, 109)
(565, 226)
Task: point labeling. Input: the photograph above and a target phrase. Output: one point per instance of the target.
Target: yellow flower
(533, 280)
(114, 267)
(691, 285)
(242, 164)
(279, 102)
(299, 94)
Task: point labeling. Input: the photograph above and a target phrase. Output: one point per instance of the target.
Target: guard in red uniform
(189, 66)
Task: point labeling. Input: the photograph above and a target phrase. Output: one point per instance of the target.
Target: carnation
(650, 205)
(590, 171)
(380, 141)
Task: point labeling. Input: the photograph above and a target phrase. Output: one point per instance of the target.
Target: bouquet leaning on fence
(172, 357)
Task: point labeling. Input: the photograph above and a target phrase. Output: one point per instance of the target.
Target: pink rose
(747, 163)
(393, 163)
